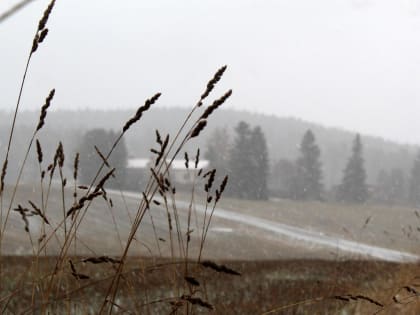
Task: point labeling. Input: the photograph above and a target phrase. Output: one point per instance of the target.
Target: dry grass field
(276, 274)
(395, 227)
(264, 287)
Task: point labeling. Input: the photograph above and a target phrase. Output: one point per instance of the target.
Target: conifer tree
(248, 163)
(353, 188)
(260, 165)
(309, 170)
(240, 162)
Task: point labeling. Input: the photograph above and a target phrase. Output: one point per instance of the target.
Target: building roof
(178, 164)
(138, 163)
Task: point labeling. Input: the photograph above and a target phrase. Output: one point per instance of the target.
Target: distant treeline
(283, 138)
(245, 158)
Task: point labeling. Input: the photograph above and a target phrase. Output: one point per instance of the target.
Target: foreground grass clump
(53, 279)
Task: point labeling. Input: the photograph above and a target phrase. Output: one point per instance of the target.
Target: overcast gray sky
(348, 63)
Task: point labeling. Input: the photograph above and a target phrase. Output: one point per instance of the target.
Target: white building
(179, 174)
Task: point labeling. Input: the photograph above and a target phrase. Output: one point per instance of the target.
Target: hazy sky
(347, 63)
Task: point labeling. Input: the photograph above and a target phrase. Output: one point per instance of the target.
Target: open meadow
(265, 270)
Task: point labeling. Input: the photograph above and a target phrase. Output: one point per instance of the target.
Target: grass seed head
(211, 84)
(3, 174)
(42, 35)
(216, 104)
(44, 108)
(187, 160)
(39, 151)
(198, 128)
(43, 22)
(158, 137)
(197, 158)
(140, 111)
(76, 166)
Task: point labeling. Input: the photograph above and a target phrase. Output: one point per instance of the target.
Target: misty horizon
(352, 65)
(35, 112)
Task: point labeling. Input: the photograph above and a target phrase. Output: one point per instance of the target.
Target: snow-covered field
(252, 230)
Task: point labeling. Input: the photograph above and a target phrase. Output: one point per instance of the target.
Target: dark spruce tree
(353, 188)
(248, 163)
(240, 163)
(90, 160)
(260, 165)
(309, 170)
(414, 192)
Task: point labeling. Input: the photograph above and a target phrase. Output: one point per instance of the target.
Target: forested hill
(283, 136)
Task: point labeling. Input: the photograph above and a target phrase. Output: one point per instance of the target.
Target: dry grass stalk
(104, 179)
(216, 104)
(197, 159)
(76, 166)
(39, 151)
(44, 109)
(75, 274)
(158, 137)
(219, 268)
(80, 204)
(212, 83)
(24, 212)
(193, 281)
(222, 188)
(349, 298)
(162, 150)
(39, 212)
(103, 158)
(198, 128)
(186, 160)
(42, 31)
(197, 301)
(211, 176)
(101, 260)
(140, 111)
(3, 174)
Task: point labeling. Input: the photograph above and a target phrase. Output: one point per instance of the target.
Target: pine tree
(353, 188)
(414, 193)
(309, 170)
(260, 165)
(240, 162)
(248, 163)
